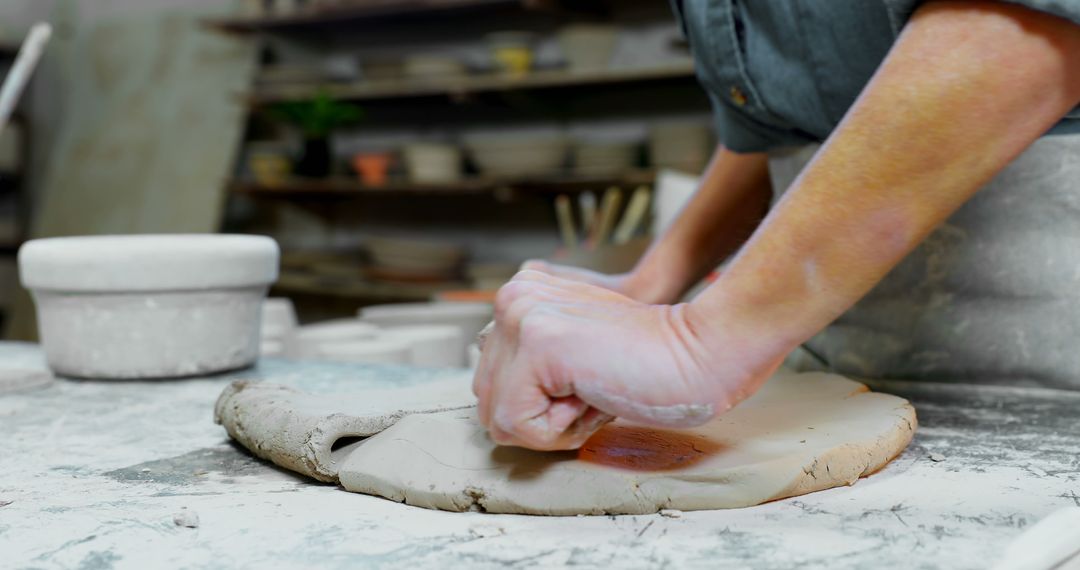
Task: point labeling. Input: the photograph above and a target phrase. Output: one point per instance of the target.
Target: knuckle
(538, 327)
(510, 293)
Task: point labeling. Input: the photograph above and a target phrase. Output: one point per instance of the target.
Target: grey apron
(992, 296)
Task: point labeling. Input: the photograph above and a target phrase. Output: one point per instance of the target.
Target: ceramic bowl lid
(148, 262)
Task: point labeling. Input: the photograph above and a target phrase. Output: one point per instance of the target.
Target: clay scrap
(312, 434)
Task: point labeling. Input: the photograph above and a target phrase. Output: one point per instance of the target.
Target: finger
(589, 423)
(498, 351)
(536, 265)
(482, 336)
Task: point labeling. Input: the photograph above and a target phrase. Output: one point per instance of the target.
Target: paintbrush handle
(635, 214)
(565, 216)
(609, 209)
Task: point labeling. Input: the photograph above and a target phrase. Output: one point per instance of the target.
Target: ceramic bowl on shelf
(433, 163)
(518, 154)
(414, 255)
(588, 47)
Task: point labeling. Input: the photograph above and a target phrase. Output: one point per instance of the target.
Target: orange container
(373, 167)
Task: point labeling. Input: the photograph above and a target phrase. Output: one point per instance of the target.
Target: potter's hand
(565, 357)
(619, 283)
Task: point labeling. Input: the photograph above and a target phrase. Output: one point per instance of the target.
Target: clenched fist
(565, 357)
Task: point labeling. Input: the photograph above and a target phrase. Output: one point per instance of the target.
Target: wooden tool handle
(22, 70)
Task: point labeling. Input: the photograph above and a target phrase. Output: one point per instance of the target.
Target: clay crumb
(200, 472)
(4, 503)
(486, 531)
(476, 499)
(144, 470)
(186, 519)
(937, 457)
(671, 513)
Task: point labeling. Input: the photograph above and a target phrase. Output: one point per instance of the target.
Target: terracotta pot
(373, 167)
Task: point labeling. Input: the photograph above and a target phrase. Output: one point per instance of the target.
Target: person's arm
(731, 200)
(965, 89)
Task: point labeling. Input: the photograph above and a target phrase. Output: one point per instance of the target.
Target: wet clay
(801, 433)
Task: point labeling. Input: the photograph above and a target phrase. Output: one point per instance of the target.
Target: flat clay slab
(800, 433)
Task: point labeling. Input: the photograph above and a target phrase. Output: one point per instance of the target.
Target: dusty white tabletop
(93, 474)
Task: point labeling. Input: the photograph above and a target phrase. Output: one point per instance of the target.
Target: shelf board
(359, 289)
(469, 85)
(346, 188)
(353, 12)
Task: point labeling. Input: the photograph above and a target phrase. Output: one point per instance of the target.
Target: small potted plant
(316, 119)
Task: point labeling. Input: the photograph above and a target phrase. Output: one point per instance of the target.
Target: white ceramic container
(278, 318)
(469, 317)
(149, 306)
(432, 346)
(271, 347)
(367, 351)
(306, 341)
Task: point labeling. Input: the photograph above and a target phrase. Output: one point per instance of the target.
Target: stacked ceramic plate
(536, 152)
(278, 323)
(420, 334)
(604, 158)
(346, 340)
(684, 145)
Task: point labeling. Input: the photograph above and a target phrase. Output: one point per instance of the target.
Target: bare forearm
(968, 86)
(731, 201)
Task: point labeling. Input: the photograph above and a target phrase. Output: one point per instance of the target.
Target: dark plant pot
(315, 163)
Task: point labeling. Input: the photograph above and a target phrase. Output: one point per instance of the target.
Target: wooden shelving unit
(355, 12)
(339, 189)
(447, 104)
(470, 85)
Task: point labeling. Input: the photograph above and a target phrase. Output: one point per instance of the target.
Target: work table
(94, 473)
